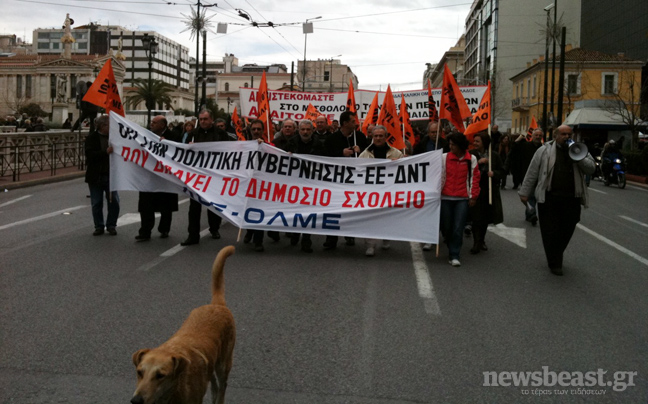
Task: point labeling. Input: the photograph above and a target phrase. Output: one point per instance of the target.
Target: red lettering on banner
(360, 203)
(304, 200)
(251, 191)
(347, 194)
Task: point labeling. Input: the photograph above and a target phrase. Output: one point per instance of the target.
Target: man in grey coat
(559, 184)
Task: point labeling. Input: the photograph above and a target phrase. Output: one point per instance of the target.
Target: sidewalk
(40, 177)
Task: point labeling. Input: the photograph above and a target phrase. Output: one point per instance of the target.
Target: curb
(44, 180)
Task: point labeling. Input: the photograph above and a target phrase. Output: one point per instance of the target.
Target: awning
(596, 118)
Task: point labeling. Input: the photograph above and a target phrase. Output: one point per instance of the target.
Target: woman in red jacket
(460, 190)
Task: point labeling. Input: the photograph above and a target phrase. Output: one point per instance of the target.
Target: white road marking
(639, 188)
(613, 244)
(46, 216)
(423, 281)
(596, 190)
(513, 234)
(168, 253)
(633, 221)
(14, 201)
(130, 218)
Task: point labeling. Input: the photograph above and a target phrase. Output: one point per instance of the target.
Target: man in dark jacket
(205, 132)
(345, 142)
(163, 202)
(97, 151)
(429, 142)
(519, 160)
(304, 143)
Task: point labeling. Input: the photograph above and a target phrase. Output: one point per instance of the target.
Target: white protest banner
(293, 104)
(258, 186)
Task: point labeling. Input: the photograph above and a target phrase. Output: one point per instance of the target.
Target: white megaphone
(577, 150)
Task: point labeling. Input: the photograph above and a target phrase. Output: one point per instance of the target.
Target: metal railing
(47, 156)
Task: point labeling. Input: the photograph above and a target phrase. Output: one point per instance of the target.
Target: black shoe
(350, 242)
(475, 249)
(258, 248)
(112, 231)
(484, 247)
(534, 221)
(142, 238)
(164, 235)
(215, 235)
(274, 235)
(248, 237)
(189, 241)
(330, 246)
(556, 270)
(98, 232)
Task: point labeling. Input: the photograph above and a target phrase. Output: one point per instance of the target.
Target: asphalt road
(332, 326)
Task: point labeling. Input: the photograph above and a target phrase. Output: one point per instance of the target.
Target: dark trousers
(148, 222)
(558, 217)
(195, 210)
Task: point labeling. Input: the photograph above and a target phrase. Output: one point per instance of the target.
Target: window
(533, 92)
(529, 89)
(246, 85)
(73, 83)
(573, 84)
(52, 87)
(609, 83)
(28, 86)
(226, 86)
(55, 45)
(19, 87)
(43, 45)
(522, 89)
(326, 76)
(82, 45)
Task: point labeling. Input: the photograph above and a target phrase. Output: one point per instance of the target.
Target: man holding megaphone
(557, 177)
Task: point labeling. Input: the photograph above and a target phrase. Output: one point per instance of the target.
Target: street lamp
(307, 29)
(151, 49)
(545, 121)
(331, 73)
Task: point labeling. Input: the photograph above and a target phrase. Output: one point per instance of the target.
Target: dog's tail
(218, 285)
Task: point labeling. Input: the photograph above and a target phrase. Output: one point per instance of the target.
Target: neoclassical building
(49, 79)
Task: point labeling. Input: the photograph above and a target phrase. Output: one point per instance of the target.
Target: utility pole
(203, 99)
(553, 58)
(561, 78)
(197, 102)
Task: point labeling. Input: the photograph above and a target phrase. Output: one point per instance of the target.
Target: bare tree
(625, 101)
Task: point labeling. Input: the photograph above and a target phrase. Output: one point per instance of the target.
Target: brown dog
(179, 370)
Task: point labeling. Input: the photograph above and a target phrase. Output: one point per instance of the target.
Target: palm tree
(158, 94)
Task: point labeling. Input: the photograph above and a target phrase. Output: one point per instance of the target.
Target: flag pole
(490, 168)
(436, 147)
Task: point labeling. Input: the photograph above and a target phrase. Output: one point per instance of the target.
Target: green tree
(217, 112)
(157, 95)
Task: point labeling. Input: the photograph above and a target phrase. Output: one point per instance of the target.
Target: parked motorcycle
(615, 172)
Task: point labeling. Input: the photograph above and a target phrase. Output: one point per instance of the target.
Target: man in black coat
(97, 151)
(429, 142)
(345, 142)
(163, 202)
(205, 132)
(304, 143)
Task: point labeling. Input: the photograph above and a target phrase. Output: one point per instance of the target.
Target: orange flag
(404, 119)
(482, 117)
(236, 122)
(351, 103)
(532, 127)
(312, 113)
(104, 92)
(389, 119)
(263, 103)
(453, 104)
(372, 115)
(433, 114)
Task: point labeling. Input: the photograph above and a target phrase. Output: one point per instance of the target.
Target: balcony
(520, 104)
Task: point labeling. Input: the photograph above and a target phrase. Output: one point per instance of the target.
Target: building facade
(591, 79)
(224, 78)
(501, 36)
(325, 76)
(454, 58)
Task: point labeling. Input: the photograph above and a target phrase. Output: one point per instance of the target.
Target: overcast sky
(383, 41)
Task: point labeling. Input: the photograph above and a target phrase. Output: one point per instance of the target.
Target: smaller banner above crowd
(257, 186)
(294, 104)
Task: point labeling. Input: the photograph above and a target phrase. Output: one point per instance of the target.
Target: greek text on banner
(257, 186)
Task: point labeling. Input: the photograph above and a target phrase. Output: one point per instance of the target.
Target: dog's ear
(179, 364)
(137, 356)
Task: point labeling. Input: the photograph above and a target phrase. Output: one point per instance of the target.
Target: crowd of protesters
(472, 177)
